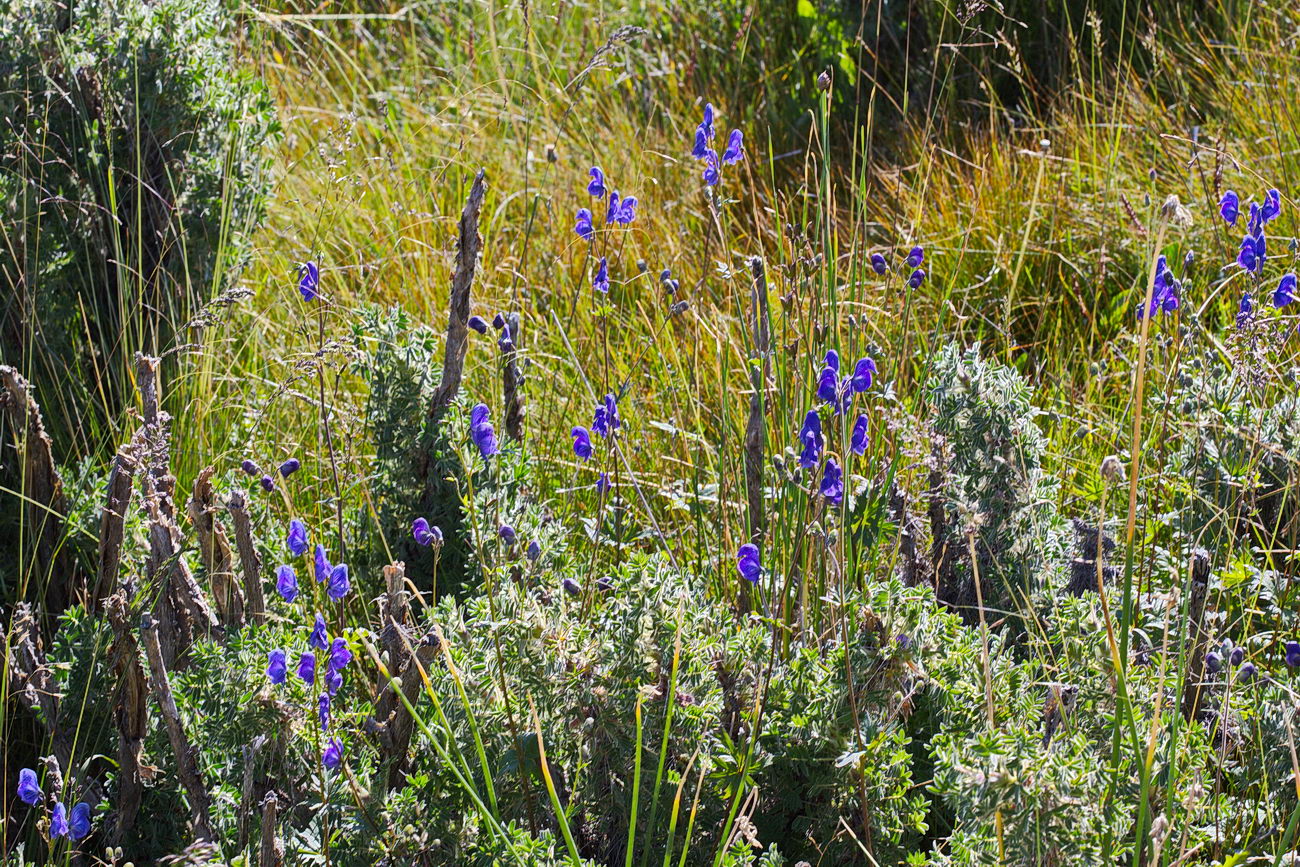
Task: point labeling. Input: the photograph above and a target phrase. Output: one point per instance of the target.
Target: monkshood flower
(810, 437)
(307, 667)
(1255, 222)
(505, 342)
(339, 656)
(706, 125)
(748, 564)
(333, 680)
(915, 257)
(625, 213)
(318, 638)
(1164, 295)
(864, 374)
(250, 468)
(499, 321)
(478, 323)
(1252, 253)
(735, 150)
(878, 263)
(268, 484)
(917, 278)
(828, 385)
(286, 583)
(276, 666)
(712, 173)
(534, 551)
(572, 587)
(1293, 654)
(701, 148)
(1230, 207)
(323, 710)
(480, 430)
(297, 540)
(1245, 310)
(507, 534)
(1247, 673)
(58, 822)
(833, 360)
(339, 583)
(333, 755)
(1213, 661)
(309, 280)
(597, 186)
(602, 483)
(289, 467)
(1237, 656)
(583, 225)
(600, 281)
(79, 821)
(29, 790)
(322, 565)
(832, 486)
(860, 439)
(606, 419)
(582, 443)
(1285, 292)
(1272, 207)
(425, 534)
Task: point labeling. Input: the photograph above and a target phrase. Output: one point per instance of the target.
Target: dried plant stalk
(755, 436)
(112, 523)
(272, 854)
(249, 560)
(187, 765)
(130, 714)
(33, 683)
(218, 559)
(468, 245)
(1196, 634)
(512, 381)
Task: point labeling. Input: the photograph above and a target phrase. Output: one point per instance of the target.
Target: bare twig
(186, 756)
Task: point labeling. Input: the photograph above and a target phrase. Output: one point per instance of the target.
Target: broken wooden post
(1193, 681)
(468, 245)
(214, 549)
(272, 854)
(249, 560)
(112, 524)
(130, 713)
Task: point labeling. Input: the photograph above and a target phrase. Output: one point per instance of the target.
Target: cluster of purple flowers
(74, 824)
(1253, 250)
(837, 391)
(337, 657)
(915, 257)
(605, 423)
(703, 149)
(505, 339)
(1166, 291)
(620, 209)
(286, 469)
(336, 578)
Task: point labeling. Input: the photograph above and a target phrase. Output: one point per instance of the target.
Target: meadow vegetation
(610, 433)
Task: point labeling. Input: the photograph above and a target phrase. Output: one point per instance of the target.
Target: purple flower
(606, 419)
(748, 564)
(297, 540)
(505, 342)
(1272, 206)
(859, 440)
(602, 483)
(701, 149)
(1247, 673)
(333, 755)
(317, 638)
(600, 282)
(249, 467)
(58, 822)
(499, 321)
(572, 587)
(1293, 654)
(425, 534)
(582, 443)
(507, 534)
(333, 680)
(828, 385)
(1213, 661)
(79, 821)
(322, 565)
(339, 583)
(810, 437)
(917, 278)
(323, 710)
(307, 667)
(833, 360)
(276, 668)
(309, 280)
(614, 198)
(706, 125)
(534, 551)
(712, 169)
(339, 656)
(1237, 656)
(480, 430)
(597, 185)
(1230, 207)
(878, 263)
(915, 258)
(478, 323)
(268, 484)
(735, 151)
(29, 790)
(289, 467)
(1285, 292)
(626, 212)
(864, 373)
(583, 225)
(832, 487)
(286, 583)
